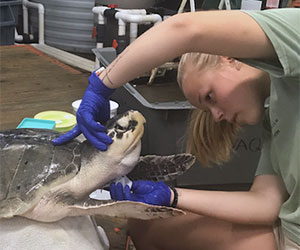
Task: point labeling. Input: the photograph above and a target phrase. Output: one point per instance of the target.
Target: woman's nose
(217, 114)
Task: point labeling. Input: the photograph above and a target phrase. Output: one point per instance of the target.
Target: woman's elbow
(185, 25)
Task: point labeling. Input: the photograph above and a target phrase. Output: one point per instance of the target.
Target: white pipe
(101, 20)
(25, 20)
(66, 57)
(133, 11)
(182, 5)
(221, 4)
(227, 5)
(100, 10)
(19, 38)
(132, 18)
(41, 11)
(133, 32)
(97, 63)
(122, 28)
(192, 5)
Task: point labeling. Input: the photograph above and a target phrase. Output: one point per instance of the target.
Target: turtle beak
(126, 131)
(139, 121)
(136, 127)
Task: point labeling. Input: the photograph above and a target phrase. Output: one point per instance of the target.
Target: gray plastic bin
(9, 11)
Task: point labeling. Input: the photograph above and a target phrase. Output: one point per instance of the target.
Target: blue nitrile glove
(154, 193)
(93, 111)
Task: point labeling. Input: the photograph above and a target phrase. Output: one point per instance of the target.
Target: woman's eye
(209, 97)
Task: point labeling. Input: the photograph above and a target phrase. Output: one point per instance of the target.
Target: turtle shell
(30, 166)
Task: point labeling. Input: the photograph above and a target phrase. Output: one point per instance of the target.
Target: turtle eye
(132, 125)
(119, 127)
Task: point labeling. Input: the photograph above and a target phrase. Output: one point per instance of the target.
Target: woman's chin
(253, 121)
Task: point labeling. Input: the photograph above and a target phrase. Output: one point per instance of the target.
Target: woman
(258, 57)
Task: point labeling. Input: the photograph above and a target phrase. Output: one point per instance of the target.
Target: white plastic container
(113, 107)
(75, 105)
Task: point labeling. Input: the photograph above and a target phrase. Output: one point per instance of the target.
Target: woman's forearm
(260, 205)
(236, 207)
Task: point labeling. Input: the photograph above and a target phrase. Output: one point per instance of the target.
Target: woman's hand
(154, 193)
(94, 110)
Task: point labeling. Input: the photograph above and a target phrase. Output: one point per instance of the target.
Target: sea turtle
(46, 183)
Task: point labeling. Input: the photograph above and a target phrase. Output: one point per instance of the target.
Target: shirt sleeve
(282, 27)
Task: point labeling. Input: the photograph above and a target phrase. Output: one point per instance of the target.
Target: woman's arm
(260, 205)
(230, 33)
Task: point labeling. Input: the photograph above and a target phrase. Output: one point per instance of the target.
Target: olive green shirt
(281, 149)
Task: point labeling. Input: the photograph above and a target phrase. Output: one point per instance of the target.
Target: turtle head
(101, 167)
(126, 130)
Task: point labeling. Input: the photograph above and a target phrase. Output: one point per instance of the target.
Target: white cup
(113, 107)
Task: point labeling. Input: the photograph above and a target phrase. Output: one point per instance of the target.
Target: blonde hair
(210, 141)
(200, 61)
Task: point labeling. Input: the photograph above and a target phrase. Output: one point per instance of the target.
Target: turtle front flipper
(123, 209)
(161, 168)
